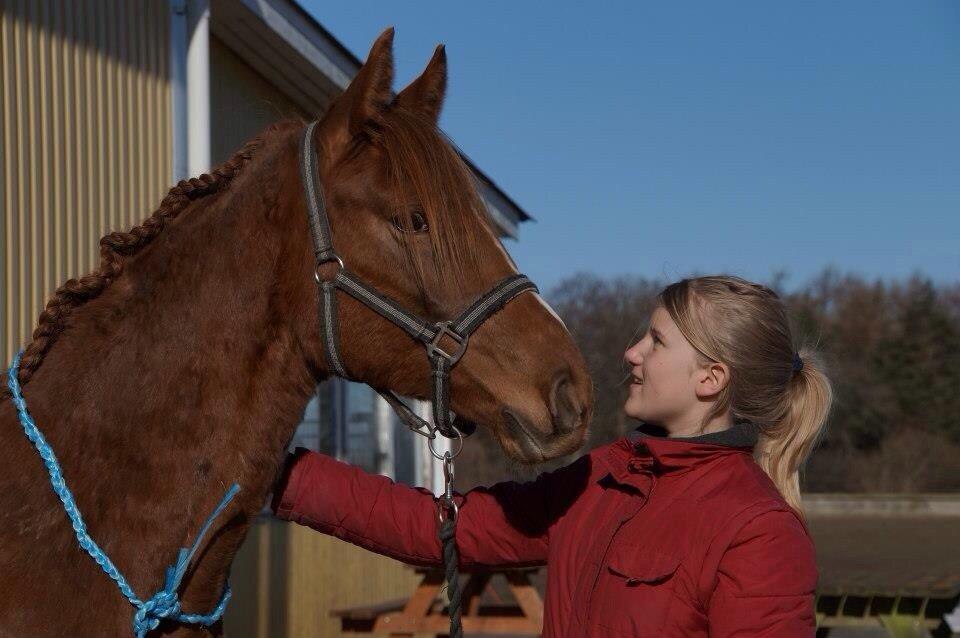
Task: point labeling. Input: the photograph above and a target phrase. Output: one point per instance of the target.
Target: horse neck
(184, 376)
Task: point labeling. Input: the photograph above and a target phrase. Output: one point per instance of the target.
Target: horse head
(406, 217)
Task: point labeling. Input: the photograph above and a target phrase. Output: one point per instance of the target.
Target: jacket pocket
(638, 566)
(637, 592)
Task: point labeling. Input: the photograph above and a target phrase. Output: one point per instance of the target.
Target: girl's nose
(633, 355)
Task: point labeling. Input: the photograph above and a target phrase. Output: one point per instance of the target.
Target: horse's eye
(417, 223)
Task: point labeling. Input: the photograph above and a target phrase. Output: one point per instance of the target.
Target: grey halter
(428, 333)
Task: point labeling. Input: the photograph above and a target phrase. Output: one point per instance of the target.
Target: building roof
(286, 44)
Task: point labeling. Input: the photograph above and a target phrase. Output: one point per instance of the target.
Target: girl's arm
(766, 581)
(506, 524)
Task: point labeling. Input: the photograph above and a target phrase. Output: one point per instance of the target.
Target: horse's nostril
(563, 405)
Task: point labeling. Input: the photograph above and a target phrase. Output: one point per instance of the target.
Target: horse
(185, 362)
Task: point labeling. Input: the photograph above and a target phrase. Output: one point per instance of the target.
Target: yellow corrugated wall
(242, 102)
(287, 578)
(85, 139)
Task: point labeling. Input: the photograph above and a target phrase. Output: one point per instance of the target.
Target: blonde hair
(744, 325)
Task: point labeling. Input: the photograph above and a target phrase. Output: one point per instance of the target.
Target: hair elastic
(797, 362)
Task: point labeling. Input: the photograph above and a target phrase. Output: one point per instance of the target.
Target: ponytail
(784, 446)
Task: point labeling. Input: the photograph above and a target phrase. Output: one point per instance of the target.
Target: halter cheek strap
(433, 335)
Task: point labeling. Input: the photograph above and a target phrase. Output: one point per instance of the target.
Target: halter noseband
(430, 334)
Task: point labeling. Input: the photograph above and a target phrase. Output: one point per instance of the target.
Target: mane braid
(114, 247)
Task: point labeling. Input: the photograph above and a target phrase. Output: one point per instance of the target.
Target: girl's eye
(416, 223)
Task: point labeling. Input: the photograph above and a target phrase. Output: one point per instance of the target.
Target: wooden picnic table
(425, 611)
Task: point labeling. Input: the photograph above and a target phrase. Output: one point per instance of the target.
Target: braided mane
(117, 246)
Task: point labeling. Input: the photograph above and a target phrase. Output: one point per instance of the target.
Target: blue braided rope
(165, 604)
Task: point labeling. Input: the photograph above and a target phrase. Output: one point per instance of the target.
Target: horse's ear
(363, 102)
(425, 94)
(369, 93)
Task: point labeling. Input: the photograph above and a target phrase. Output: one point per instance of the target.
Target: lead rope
(448, 511)
(163, 605)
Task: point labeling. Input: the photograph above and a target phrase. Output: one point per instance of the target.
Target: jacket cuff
(288, 487)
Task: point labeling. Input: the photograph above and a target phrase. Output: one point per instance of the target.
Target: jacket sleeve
(506, 524)
(766, 581)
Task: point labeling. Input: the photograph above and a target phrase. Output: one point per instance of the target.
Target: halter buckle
(433, 348)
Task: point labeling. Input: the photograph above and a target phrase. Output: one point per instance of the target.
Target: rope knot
(163, 604)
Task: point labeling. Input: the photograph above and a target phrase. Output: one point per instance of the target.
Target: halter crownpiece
(433, 335)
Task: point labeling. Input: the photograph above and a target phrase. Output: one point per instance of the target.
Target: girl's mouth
(636, 380)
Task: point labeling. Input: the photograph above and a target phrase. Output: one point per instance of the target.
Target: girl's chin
(633, 410)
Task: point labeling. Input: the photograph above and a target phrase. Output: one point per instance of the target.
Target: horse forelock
(424, 161)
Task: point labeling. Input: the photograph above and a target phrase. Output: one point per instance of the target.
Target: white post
(383, 425)
(422, 459)
(178, 87)
(198, 87)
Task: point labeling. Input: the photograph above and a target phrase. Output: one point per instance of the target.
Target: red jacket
(647, 536)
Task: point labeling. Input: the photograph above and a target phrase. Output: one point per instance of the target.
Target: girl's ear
(425, 94)
(712, 378)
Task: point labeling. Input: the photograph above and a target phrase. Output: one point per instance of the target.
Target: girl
(697, 532)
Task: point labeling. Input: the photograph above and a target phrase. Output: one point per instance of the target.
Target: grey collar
(741, 434)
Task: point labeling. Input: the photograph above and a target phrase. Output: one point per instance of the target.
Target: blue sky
(661, 139)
